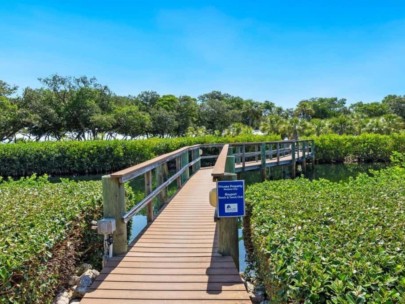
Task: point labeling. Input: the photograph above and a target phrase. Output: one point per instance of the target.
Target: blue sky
(282, 51)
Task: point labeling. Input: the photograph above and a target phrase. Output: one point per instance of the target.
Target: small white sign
(231, 208)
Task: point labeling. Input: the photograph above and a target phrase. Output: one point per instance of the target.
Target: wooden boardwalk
(256, 165)
(176, 259)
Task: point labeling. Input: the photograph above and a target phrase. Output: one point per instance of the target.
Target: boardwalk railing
(187, 162)
(114, 191)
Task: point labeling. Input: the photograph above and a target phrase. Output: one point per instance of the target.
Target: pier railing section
(187, 161)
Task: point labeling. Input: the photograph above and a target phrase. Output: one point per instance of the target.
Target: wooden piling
(114, 207)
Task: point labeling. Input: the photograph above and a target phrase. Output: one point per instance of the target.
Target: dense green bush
(363, 148)
(93, 157)
(325, 242)
(44, 229)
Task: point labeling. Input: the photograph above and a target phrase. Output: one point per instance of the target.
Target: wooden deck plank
(201, 286)
(171, 254)
(201, 278)
(175, 260)
(160, 301)
(174, 265)
(214, 259)
(170, 271)
(167, 294)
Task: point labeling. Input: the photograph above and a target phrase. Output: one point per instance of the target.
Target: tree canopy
(81, 108)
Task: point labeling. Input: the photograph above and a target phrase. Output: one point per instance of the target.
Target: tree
(386, 124)
(272, 124)
(168, 102)
(304, 110)
(216, 115)
(163, 122)
(130, 121)
(396, 104)
(76, 104)
(251, 113)
(6, 89)
(326, 107)
(186, 114)
(45, 115)
(341, 125)
(10, 122)
(11, 118)
(373, 109)
(319, 126)
(147, 100)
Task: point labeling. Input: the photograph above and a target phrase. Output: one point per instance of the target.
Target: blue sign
(231, 198)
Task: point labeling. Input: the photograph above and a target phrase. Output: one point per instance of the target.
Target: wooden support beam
(178, 167)
(114, 207)
(184, 161)
(161, 176)
(148, 189)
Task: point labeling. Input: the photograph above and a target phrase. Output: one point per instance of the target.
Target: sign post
(231, 198)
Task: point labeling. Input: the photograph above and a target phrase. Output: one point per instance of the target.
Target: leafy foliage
(44, 229)
(83, 109)
(363, 148)
(325, 242)
(88, 157)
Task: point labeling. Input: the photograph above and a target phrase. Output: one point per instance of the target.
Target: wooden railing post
(263, 160)
(114, 207)
(256, 150)
(184, 161)
(271, 151)
(148, 189)
(194, 155)
(197, 155)
(228, 241)
(238, 151)
(161, 176)
(278, 153)
(243, 157)
(293, 161)
(178, 167)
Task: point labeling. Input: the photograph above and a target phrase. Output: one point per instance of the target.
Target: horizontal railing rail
(139, 206)
(187, 161)
(219, 168)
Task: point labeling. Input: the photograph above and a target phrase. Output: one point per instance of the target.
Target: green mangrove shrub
(363, 148)
(325, 242)
(94, 157)
(44, 230)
